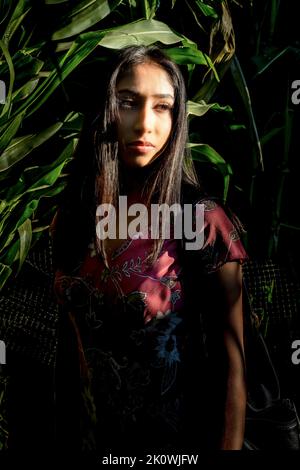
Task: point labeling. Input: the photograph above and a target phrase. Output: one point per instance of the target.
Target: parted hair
(95, 177)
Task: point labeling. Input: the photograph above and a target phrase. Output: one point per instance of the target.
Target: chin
(137, 162)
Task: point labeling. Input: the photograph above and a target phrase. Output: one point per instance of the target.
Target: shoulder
(217, 214)
(196, 196)
(222, 231)
(219, 217)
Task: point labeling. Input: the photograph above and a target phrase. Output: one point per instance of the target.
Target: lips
(141, 146)
(140, 143)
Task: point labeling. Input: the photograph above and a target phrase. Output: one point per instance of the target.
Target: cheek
(166, 127)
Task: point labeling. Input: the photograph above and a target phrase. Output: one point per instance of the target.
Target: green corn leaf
(269, 135)
(190, 55)
(2, 206)
(5, 272)
(12, 253)
(150, 7)
(52, 191)
(41, 228)
(24, 91)
(85, 15)
(19, 212)
(72, 126)
(7, 210)
(16, 218)
(26, 67)
(47, 180)
(9, 132)
(140, 32)
(270, 55)
(200, 108)
(25, 234)
(240, 83)
(38, 177)
(226, 181)
(24, 145)
(16, 19)
(237, 127)
(205, 153)
(147, 9)
(28, 211)
(206, 10)
(187, 55)
(79, 50)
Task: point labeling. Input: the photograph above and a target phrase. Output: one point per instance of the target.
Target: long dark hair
(95, 177)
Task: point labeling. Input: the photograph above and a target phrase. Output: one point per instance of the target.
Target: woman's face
(146, 98)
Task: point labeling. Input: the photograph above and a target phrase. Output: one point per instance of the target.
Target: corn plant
(272, 67)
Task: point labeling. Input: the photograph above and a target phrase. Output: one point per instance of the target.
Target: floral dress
(130, 326)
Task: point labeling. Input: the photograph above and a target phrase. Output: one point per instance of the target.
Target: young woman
(151, 353)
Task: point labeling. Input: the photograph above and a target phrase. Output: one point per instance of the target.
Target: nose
(144, 119)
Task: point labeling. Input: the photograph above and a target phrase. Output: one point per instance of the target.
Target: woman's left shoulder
(219, 214)
(223, 233)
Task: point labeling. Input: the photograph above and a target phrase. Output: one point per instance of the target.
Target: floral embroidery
(132, 267)
(175, 296)
(233, 235)
(209, 205)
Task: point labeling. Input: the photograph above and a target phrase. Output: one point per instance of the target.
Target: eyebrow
(138, 95)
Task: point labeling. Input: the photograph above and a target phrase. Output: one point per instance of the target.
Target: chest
(124, 227)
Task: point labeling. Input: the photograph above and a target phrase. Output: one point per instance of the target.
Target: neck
(133, 180)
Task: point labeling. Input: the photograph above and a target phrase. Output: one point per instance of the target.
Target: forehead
(146, 79)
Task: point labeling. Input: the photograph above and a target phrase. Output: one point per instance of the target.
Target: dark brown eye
(164, 106)
(127, 103)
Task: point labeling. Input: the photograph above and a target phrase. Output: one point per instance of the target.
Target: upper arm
(229, 279)
(229, 282)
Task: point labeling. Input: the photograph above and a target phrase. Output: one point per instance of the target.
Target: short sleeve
(222, 241)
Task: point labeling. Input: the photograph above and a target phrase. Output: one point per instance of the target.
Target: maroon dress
(129, 321)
